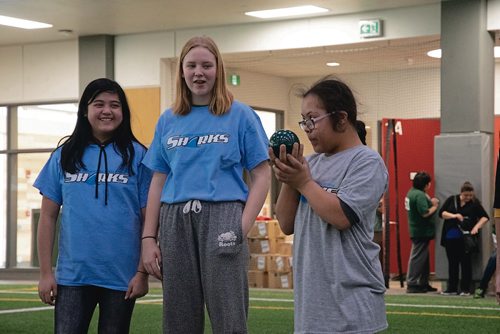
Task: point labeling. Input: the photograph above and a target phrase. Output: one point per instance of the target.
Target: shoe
(416, 289)
(464, 294)
(449, 293)
(429, 288)
(479, 293)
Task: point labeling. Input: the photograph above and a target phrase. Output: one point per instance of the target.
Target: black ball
(285, 137)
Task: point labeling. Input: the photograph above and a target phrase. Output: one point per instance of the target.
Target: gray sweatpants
(205, 261)
(418, 264)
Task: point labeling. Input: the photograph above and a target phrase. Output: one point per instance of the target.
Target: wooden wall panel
(145, 108)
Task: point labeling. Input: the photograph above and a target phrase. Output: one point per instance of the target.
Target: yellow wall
(145, 108)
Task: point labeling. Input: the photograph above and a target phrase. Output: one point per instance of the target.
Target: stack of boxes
(270, 256)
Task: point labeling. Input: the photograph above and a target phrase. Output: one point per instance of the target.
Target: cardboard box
(280, 280)
(267, 229)
(285, 248)
(280, 263)
(264, 246)
(258, 262)
(257, 279)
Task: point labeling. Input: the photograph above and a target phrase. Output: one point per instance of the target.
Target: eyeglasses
(310, 123)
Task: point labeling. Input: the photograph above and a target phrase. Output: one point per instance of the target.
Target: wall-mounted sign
(370, 28)
(234, 80)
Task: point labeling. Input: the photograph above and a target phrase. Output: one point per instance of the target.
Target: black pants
(458, 260)
(75, 306)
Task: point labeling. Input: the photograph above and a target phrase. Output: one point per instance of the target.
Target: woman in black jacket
(461, 213)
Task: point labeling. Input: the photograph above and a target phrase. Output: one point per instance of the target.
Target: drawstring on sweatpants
(192, 205)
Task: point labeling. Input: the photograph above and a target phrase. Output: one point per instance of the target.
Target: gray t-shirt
(339, 285)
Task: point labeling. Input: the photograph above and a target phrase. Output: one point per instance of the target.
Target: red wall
(415, 152)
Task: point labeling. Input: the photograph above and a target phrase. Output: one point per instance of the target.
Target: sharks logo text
(195, 141)
(90, 178)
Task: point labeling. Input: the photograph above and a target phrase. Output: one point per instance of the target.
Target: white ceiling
(94, 17)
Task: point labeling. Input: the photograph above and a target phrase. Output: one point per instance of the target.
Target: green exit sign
(370, 28)
(234, 80)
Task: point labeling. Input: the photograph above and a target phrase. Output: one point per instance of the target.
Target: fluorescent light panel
(20, 23)
(437, 52)
(283, 12)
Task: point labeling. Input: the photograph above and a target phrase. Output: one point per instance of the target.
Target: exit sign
(370, 28)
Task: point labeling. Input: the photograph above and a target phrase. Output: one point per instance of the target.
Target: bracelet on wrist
(149, 237)
(143, 272)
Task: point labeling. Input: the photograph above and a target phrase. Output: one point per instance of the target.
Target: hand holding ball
(285, 137)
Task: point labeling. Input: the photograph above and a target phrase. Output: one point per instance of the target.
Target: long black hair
(74, 145)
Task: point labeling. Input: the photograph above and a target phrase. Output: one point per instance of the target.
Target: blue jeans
(489, 271)
(75, 306)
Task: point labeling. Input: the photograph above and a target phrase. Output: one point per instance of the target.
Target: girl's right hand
(47, 289)
(151, 257)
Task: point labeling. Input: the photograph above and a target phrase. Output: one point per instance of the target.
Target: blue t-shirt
(99, 244)
(203, 155)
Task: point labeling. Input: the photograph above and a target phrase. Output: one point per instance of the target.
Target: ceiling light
(437, 53)
(332, 64)
(283, 12)
(20, 23)
(434, 53)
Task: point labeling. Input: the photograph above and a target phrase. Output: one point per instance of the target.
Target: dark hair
(361, 129)
(335, 96)
(74, 145)
(467, 186)
(420, 180)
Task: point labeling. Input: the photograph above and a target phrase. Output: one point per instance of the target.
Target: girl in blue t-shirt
(97, 178)
(198, 199)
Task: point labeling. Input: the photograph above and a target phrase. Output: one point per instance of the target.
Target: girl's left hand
(138, 286)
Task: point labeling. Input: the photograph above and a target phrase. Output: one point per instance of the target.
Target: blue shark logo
(196, 141)
(89, 178)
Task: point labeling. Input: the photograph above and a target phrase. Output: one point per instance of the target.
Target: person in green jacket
(421, 219)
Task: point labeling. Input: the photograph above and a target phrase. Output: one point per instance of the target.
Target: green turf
(427, 314)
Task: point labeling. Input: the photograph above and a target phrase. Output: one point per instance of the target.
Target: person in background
(488, 273)
(460, 212)
(421, 211)
(496, 214)
(199, 200)
(97, 178)
(329, 200)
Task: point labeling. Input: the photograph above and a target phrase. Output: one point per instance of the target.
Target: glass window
(28, 201)
(3, 210)
(268, 119)
(3, 128)
(38, 127)
(42, 126)
(3, 187)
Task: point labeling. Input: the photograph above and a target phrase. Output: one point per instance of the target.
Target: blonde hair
(221, 99)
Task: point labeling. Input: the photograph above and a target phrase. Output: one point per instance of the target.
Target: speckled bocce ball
(286, 137)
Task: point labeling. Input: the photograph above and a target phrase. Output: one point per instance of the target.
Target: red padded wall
(415, 152)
